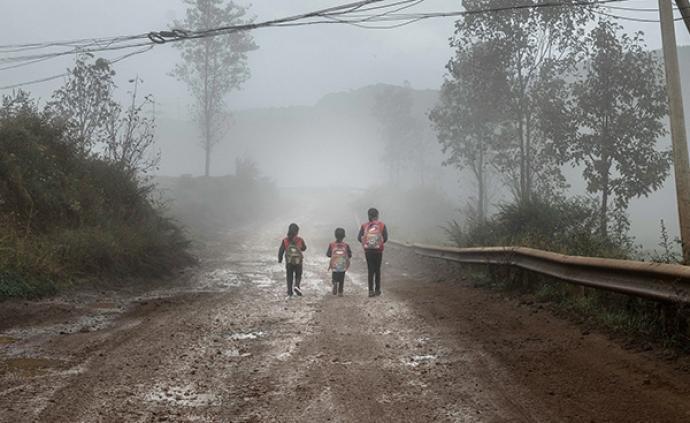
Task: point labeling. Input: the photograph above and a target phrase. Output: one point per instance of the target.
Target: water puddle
(235, 353)
(83, 324)
(7, 340)
(29, 366)
(242, 336)
(185, 396)
(417, 360)
(220, 278)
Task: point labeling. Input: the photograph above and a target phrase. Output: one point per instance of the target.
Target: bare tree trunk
(528, 158)
(603, 211)
(481, 201)
(523, 184)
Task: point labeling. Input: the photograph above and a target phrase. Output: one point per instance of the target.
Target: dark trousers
(374, 259)
(293, 273)
(338, 282)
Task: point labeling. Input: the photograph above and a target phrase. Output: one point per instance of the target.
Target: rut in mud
(224, 344)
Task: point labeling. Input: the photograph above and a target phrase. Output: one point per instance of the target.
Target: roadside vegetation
(529, 93)
(75, 199)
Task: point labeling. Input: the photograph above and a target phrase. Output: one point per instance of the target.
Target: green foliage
(13, 284)
(616, 114)
(85, 105)
(470, 113)
(669, 249)
(67, 213)
(533, 47)
(562, 225)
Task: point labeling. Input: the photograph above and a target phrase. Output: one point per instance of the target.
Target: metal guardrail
(657, 281)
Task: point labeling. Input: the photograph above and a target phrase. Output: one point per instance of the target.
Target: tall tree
(213, 66)
(470, 113)
(399, 127)
(98, 124)
(617, 108)
(85, 102)
(535, 43)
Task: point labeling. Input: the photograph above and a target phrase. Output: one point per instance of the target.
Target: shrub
(66, 213)
(563, 225)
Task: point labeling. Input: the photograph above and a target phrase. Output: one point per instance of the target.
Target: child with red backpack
(373, 235)
(340, 255)
(292, 247)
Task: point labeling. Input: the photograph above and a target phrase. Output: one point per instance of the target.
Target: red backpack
(372, 239)
(293, 250)
(340, 261)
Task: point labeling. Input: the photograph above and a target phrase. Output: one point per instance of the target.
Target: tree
(533, 44)
(85, 103)
(617, 109)
(213, 66)
(400, 129)
(470, 113)
(97, 124)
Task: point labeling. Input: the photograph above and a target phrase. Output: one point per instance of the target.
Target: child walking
(292, 247)
(340, 254)
(373, 235)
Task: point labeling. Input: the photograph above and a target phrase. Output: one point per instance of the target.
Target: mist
(306, 114)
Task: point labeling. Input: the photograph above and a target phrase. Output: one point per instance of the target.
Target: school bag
(339, 257)
(373, 236)
(293, 252)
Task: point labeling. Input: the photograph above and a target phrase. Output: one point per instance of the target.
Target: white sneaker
(297, 291)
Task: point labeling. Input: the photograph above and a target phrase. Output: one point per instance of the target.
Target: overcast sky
(293, 65)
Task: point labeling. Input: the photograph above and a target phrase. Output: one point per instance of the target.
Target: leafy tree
(393, 110)
(470, 113)
(405, 134)
(85, 103)
(537, 44)
(617, 108)
(97, 124)
(213, 66)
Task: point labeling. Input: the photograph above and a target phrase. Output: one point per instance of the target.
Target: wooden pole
(680, 143)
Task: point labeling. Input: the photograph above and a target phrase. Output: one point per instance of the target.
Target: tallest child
(373, 235)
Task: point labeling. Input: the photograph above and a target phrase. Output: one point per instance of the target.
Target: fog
(305, 115)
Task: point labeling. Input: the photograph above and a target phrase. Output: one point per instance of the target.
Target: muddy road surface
(222, 343)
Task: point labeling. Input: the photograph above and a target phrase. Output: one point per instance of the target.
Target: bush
(566, 226)
(66, 213)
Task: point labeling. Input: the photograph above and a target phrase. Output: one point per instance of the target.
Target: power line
(65, 74)
(357, 14)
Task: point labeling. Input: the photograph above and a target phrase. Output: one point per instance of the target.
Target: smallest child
(340, 254)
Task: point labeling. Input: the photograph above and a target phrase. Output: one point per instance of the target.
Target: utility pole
(684, 7)
(678, 135)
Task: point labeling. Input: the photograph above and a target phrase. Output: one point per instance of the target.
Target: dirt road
(223, 344)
